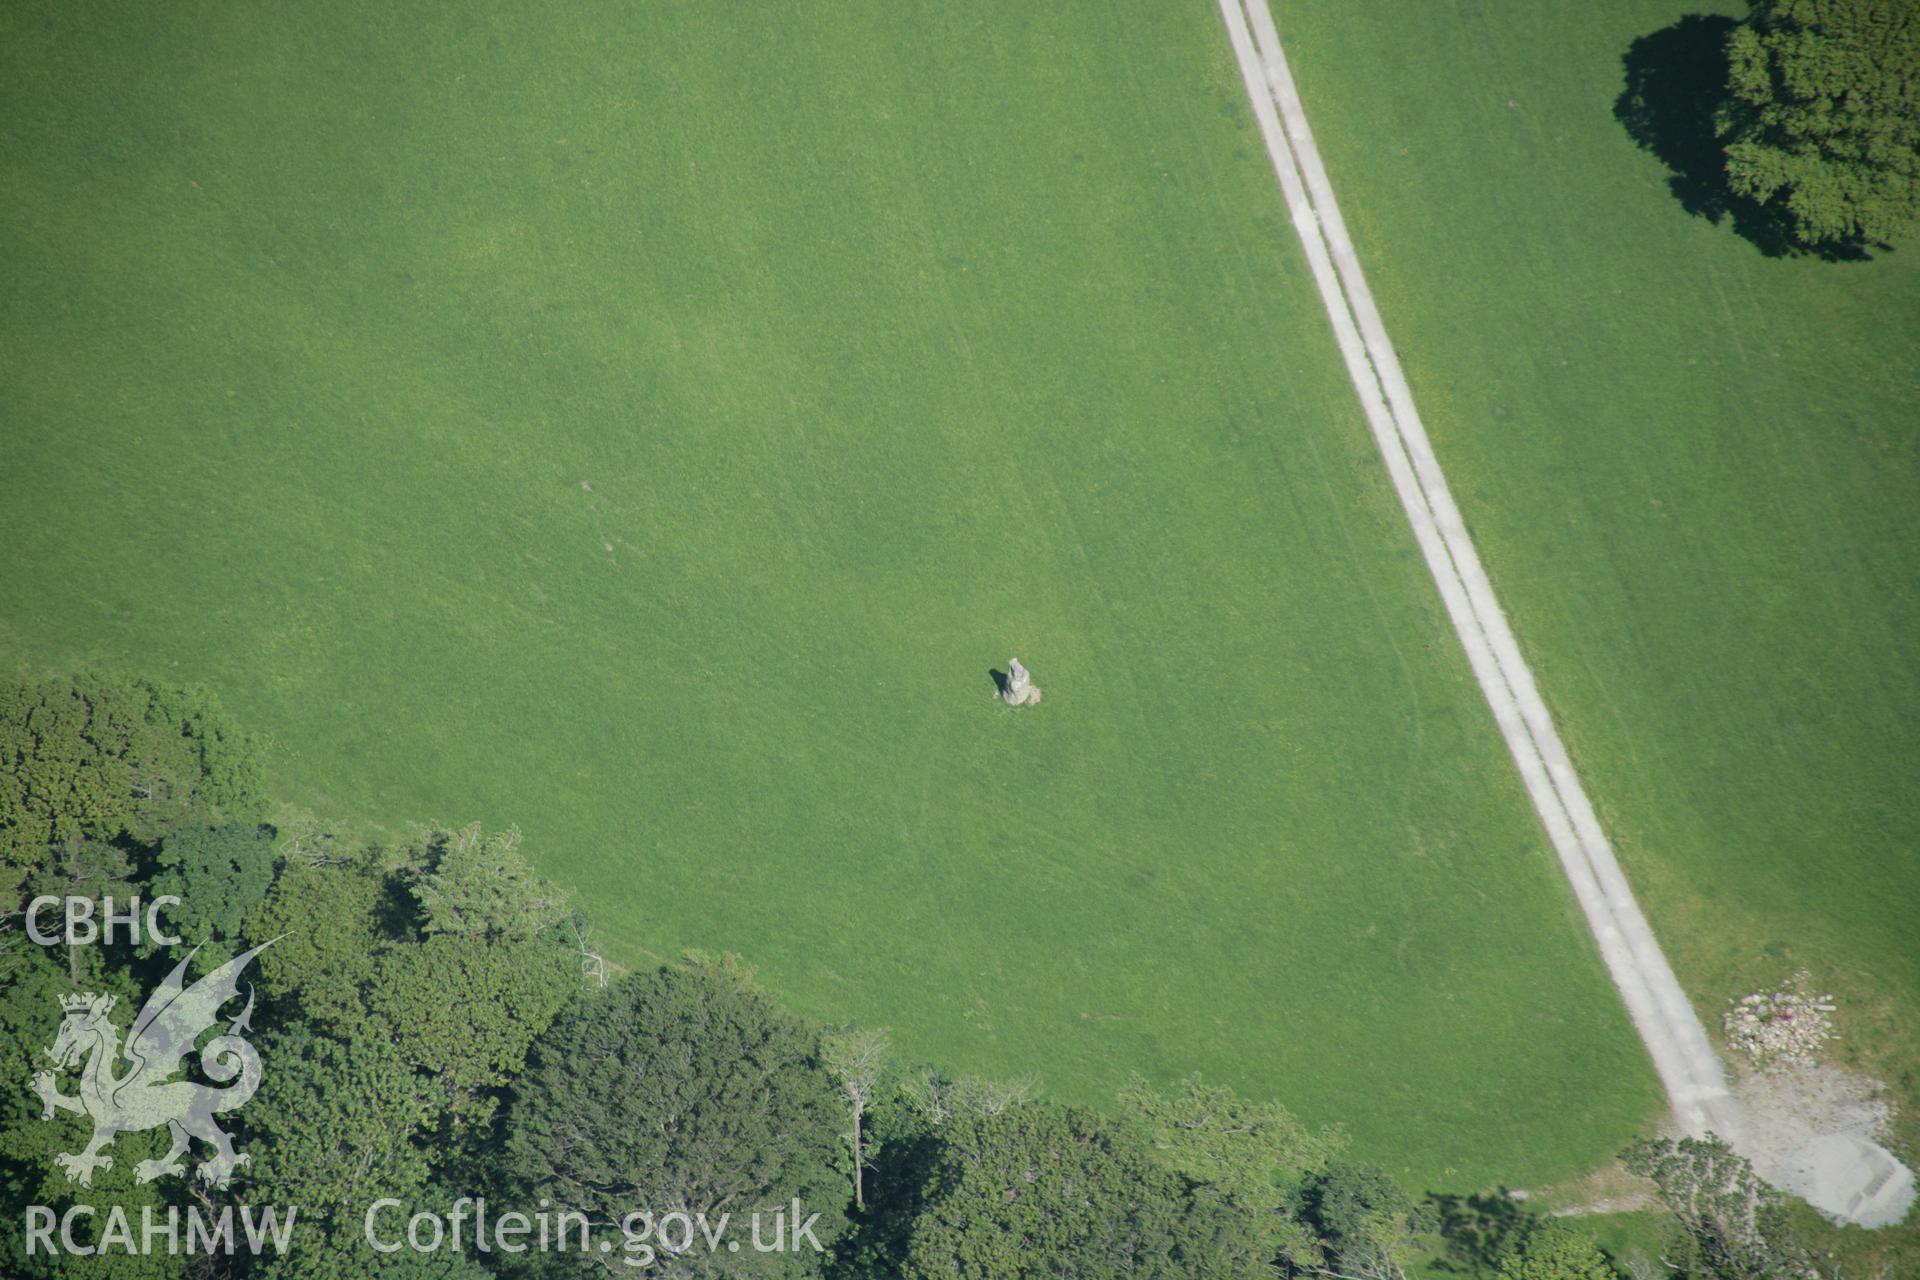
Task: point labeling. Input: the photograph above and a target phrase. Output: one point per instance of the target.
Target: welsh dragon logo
(145, 1095)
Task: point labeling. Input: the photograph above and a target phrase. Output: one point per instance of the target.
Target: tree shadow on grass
(1676, 84)
(1480, 1230)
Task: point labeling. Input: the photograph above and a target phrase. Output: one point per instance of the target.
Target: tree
(901, 1139)
(30, 1017)
(302, 837)
(677, 1091)
(99, 757)
(92, 869)
(327, 921)
(1734, 1225)
(333, 1119)
(110, 1221)
(481, 886)
(1825, 116)
(1482, 1231)
(1368, 1225)
(464, 1011)
(1556, 1253)
(344, 1254)
(332, 1129)
(856, 1059)
(219, 874)
(29, 1020)
(1255, 1154)
(1045, 1191)
(938, 1097)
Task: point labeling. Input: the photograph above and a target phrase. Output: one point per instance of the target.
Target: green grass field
(890, 342)
(1693, 471)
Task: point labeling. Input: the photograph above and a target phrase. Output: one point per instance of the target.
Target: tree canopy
(464, 1011)
(30, 1016)
(337, 1126)
(97, 757)
(327, 920)
(219, 873)
(1824, 115)
(673, 1089)
(81, 868)
(1046, 1191)
(1732, 1223)
(1366, 1223)
(1557, 1253)
(481, 886)
(335, 1117)
(1255, 1152)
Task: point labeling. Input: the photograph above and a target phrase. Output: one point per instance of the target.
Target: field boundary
(1683, 1056)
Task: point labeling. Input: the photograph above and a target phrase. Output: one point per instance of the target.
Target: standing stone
(1021, 691)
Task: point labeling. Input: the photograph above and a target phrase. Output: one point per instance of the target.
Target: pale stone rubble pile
(1784, 1026)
